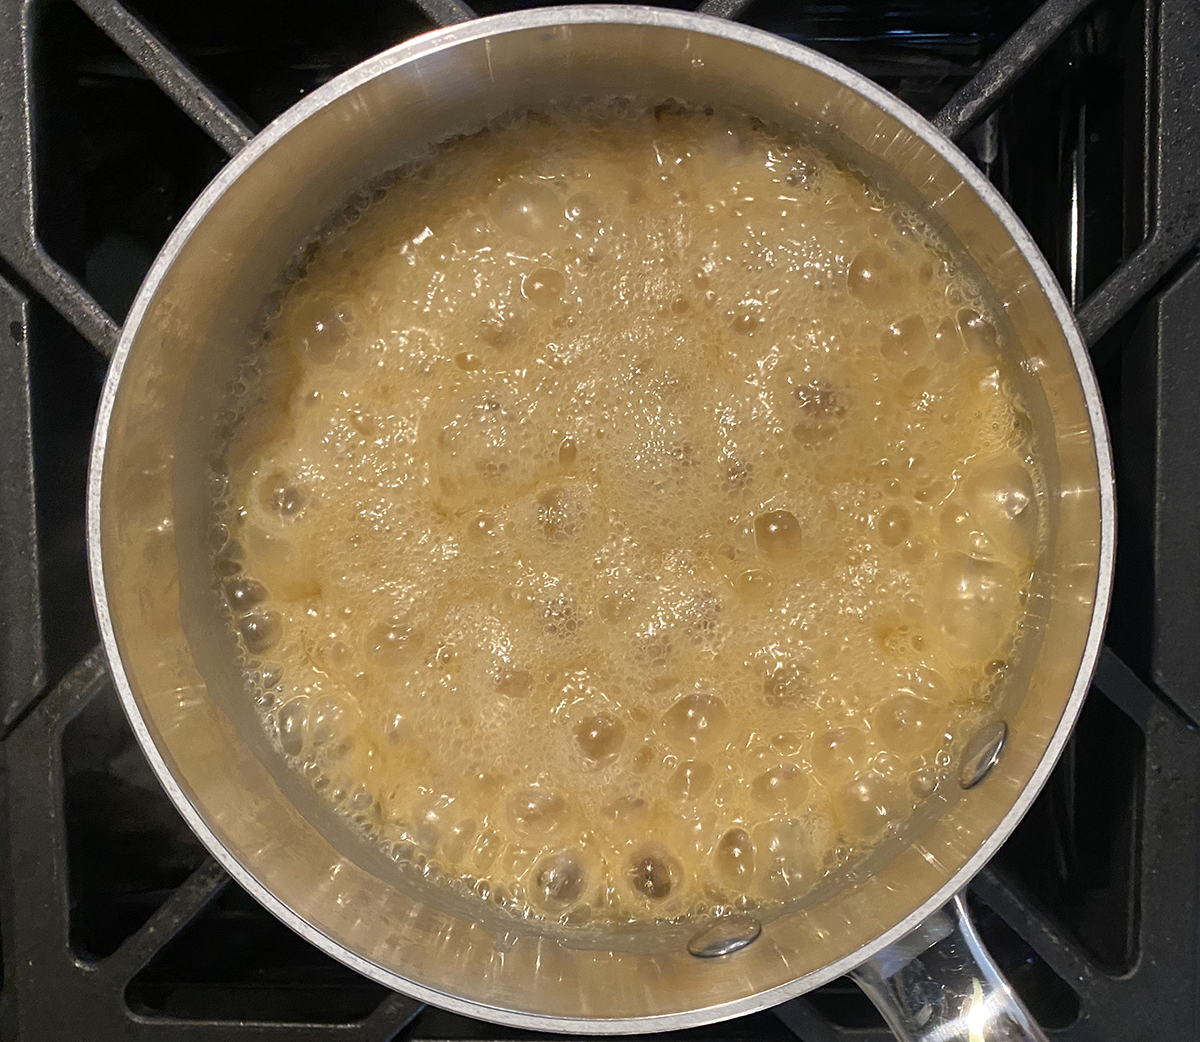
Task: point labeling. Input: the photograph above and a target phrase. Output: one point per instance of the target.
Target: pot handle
(938, 983)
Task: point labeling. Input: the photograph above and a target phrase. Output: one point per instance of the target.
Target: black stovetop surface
(113, 921)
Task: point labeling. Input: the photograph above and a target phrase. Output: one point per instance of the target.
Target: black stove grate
(114, 923)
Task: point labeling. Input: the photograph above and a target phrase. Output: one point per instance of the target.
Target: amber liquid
(629, 514)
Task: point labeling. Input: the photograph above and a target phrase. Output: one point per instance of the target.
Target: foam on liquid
(629, 515)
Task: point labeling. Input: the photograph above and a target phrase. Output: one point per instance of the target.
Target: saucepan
(898, 925)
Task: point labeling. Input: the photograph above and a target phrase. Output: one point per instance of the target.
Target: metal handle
(939, 984)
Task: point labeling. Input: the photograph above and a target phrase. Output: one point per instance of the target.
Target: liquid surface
(628, 516)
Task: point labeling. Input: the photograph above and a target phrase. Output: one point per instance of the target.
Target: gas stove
(114, 923)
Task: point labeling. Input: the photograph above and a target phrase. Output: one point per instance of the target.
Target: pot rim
(548, 18)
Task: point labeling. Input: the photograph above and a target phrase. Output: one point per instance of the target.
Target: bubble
(481, 526)
(468, 362)
(977, 599)
(669, 110)
(625, 810)
(922, 782)
(501, 326)
(323, 329)
(947, 343)
(283, 498)
(777, 534)
(839, 752)
(396, 727)
(819, 412)
(432, 818)
(787, 857)
(959, 530)
(529, 210)
(789, 743)
(244, 593)
(800, 174)
(734, 856)
(389, 642)
(907, 724)
(893, 526)
(753, 585)
(1003, 499)
(293, 723)
(787, 684)
(458, 840)
(485, 784)
(329, 720)
(599, 738)
(365, 424)
(537, 811)
(899, 637)
(558, 515)
(727, 144)
(543, 287)
(218, 534)
(333, 656)
(876, 279)
(930, 685)
(559, 879)
(746, 317)
(977, 332)
(698, 719)
(915, 551)
(737, 477)
(652, 876)
(785, 784)
(905, 340)
(615, 606)
(515, 683)
(486, 850)
(690, 780)
(261, 630)
(568, 452)
(865, 805)
(583, 208)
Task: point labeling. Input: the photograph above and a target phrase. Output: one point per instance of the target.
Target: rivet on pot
(729, 934)
(982, 753)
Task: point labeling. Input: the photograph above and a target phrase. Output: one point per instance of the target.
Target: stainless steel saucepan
(900, 928)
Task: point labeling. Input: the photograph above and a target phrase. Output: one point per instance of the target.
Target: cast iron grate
(113, 921)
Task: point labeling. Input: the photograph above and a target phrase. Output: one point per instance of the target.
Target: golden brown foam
(628, 514)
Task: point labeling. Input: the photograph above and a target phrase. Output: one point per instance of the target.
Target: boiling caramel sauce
(628, 514)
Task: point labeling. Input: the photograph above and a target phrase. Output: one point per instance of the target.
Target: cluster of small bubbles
(572, 459)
